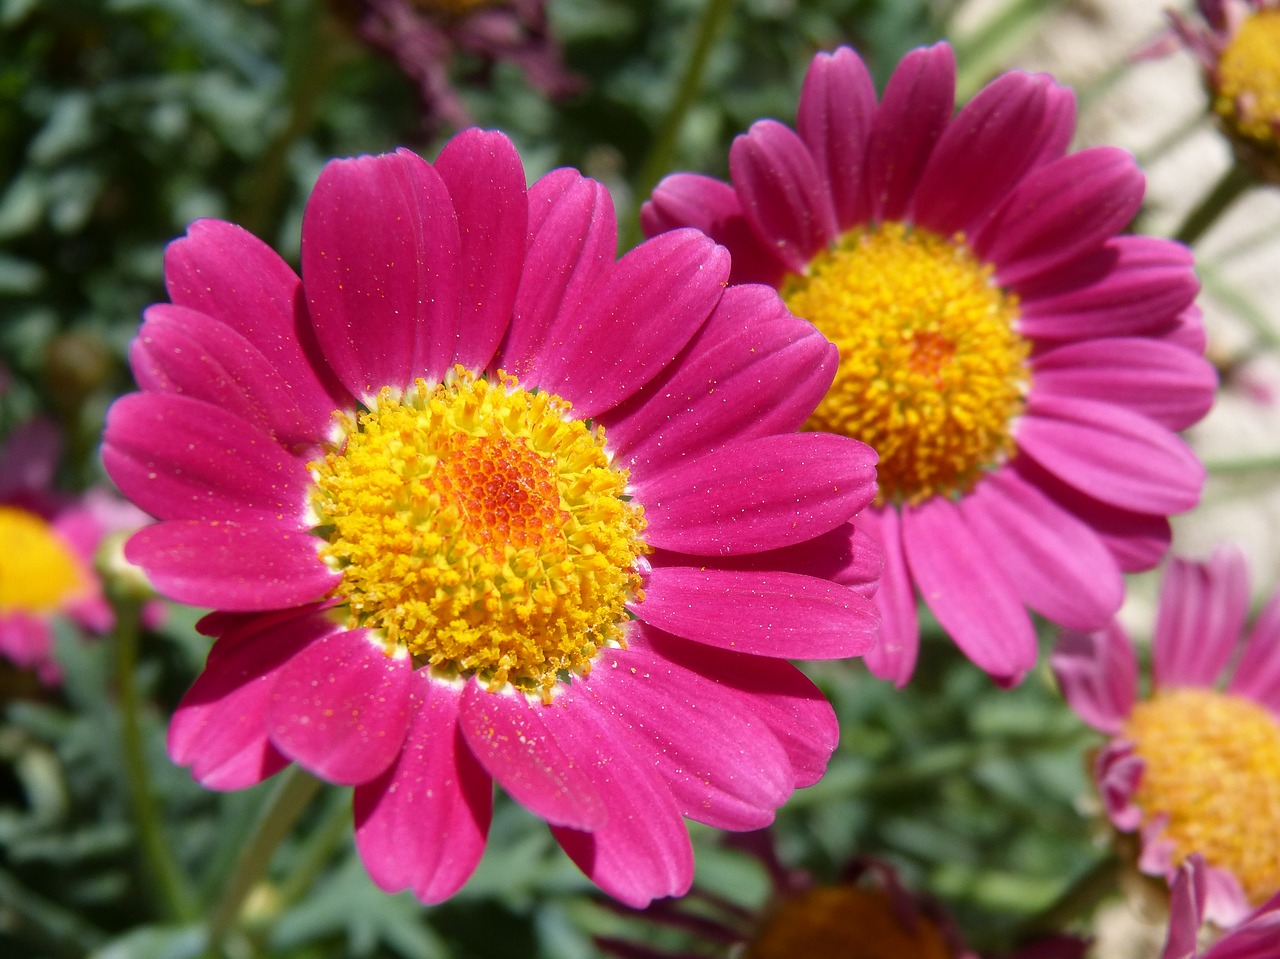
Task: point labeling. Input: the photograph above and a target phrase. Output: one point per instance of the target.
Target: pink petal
(794, 709)
(837, 109)
(485, 179)
(753, 369)
(914, 111)
(421, 825)
(845, 555)
(734, 779)
(1111, 454)
(1258, 673)
(1131, 286)
(230, 275)
(180, 458)
(27, 642)
(1161, 381)
(779, 614)
(643, 851)
(973, 600)
(1186, 902)
(783, 196)
(1055, 561)
(185, 352)
(759, 494)
(380, 254)
(993, 142)
(237, 568)
(1201, 617)
(894, 657)
(691, 199)
(1118, 772)
(1137, 540)
(1059, 211)
(220, 727)
(341, 707)
(515, 741)
(572, 244)
(634, 324)
(1098, 673)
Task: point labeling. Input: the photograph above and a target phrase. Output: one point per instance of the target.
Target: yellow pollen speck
(38, 572)
(932, 371)
(482, 529)
(1212, 765)
(1248, 92)
(848, 921)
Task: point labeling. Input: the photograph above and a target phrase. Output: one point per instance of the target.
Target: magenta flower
(1019, 366)
(1256, 937)
(1194, 767)
(48, 541)
(474, 502)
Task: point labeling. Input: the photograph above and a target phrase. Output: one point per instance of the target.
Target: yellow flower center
(848, 921)
(932, 371)
(38, 572)
(1211, 763)
(1248, 94)
(481, 528)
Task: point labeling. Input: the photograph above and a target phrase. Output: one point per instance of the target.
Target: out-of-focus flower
(423, 37)
(477, 503)
(1257, 936)
(867, 914)
(1195, 766)
(48, 544)
(1238, 45)
(1019, 365)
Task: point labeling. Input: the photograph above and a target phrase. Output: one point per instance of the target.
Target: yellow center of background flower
(38, 572)
(932, 371)
(846, 921)
(482, 529)
(1248, 93)
(1212, 765)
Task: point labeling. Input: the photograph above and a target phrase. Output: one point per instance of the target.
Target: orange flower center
(847, 921)
(38, 572)
(481, 528)
(1211, 764)
(932, 370)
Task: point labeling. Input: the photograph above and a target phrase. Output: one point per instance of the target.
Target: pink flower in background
(1019, 365)
(1195, 766)
(1257, 936)
(48, 541)
(475, 502)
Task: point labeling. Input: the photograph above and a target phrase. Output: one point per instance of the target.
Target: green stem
(1079, 899)
(292, 795)
(1226, 191)
(333, 826)
(171, 884)
(1236, 467)
(662, 154)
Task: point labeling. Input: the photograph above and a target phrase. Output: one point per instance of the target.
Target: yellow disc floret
(38, 572)
(932, 371)
(848, 921)
(1248, 88)
(482, 529)
(1211, 764)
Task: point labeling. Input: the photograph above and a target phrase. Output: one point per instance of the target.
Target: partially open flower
(48, 544)
(1238, 45)
(1194, 767)
(1019, 363)
(474, 502)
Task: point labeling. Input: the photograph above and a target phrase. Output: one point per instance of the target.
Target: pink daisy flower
(1019, 366)
(474, 502)
(1195, 766)
(1238, 45)
(1256, 937)
(48, 543)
